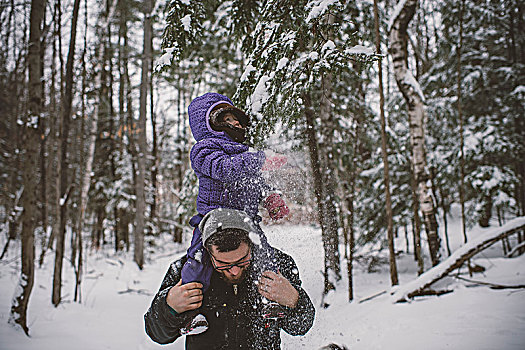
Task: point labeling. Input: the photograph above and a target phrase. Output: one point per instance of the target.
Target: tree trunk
(407, 242)
(154, 151)
(413, 95)
(318, 190)
(12, 223)
(85, 173)
(66, 114)
(327, 158)
(416, 225)
(350, 196)
(18, 315)
(440, 202)
(125, 117)
(461, 132)
(445, 207)
(486, 210)
(386, 172)
(100, 212)
(141, 137)
(52, 109)
(43, 176)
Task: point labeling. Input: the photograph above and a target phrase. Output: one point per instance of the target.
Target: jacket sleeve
(298, 320)
(211, 160)
(162, 323)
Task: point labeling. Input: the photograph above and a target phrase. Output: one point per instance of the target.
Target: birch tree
(414, 98)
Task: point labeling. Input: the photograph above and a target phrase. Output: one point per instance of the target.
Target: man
(232, 304)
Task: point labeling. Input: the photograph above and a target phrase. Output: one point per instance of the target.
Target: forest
(390, 115)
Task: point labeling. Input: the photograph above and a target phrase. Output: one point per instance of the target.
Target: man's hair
(228, 239)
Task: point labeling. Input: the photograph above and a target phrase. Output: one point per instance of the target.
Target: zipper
(235, 309)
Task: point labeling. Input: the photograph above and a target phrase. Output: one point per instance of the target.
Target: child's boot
(196, 325)
(272, 310)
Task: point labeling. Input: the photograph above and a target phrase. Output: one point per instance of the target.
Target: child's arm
(211, 160)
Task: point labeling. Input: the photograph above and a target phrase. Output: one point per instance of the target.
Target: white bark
(413, 95)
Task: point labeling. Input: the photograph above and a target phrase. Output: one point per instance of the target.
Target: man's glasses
(241, 263)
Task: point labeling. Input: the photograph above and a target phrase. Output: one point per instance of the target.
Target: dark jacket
(229, 175)
(233, 313)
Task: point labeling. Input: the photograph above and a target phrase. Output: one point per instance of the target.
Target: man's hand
(185, 297)
(275, 287)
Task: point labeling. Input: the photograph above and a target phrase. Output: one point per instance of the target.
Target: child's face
(232, 120)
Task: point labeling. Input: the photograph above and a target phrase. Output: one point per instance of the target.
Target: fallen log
(430, 292)
(493, 285)
(456, 260)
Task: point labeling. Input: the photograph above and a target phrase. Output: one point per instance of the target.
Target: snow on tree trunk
(18, 315)
(458, 258)
(413, 95)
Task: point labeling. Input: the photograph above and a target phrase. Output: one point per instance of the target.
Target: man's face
(232, 265)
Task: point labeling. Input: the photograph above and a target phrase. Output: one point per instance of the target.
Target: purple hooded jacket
(229, 176)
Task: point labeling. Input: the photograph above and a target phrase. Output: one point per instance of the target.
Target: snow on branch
(485, 240)
(319, 7)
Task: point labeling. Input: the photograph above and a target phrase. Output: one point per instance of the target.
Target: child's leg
(198, 267)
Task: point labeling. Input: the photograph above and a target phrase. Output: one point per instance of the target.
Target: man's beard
(237, 279)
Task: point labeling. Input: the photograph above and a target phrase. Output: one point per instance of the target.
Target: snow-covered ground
(115, 295)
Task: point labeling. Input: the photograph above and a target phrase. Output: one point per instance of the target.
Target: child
(229, 177)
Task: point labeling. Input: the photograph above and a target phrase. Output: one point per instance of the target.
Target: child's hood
(199, 113)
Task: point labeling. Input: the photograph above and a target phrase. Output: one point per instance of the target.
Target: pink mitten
(274, 162)
(276, 206)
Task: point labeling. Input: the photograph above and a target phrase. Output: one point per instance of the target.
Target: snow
(519, 90)
(313, 55)
(116, 294)
(328, 46)
(319, 7)
(186, 22)
(165, 59)
(260, 94)
(249, 68)
(256, 239)
(282, 63)
(409, 79)
(359, 49)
